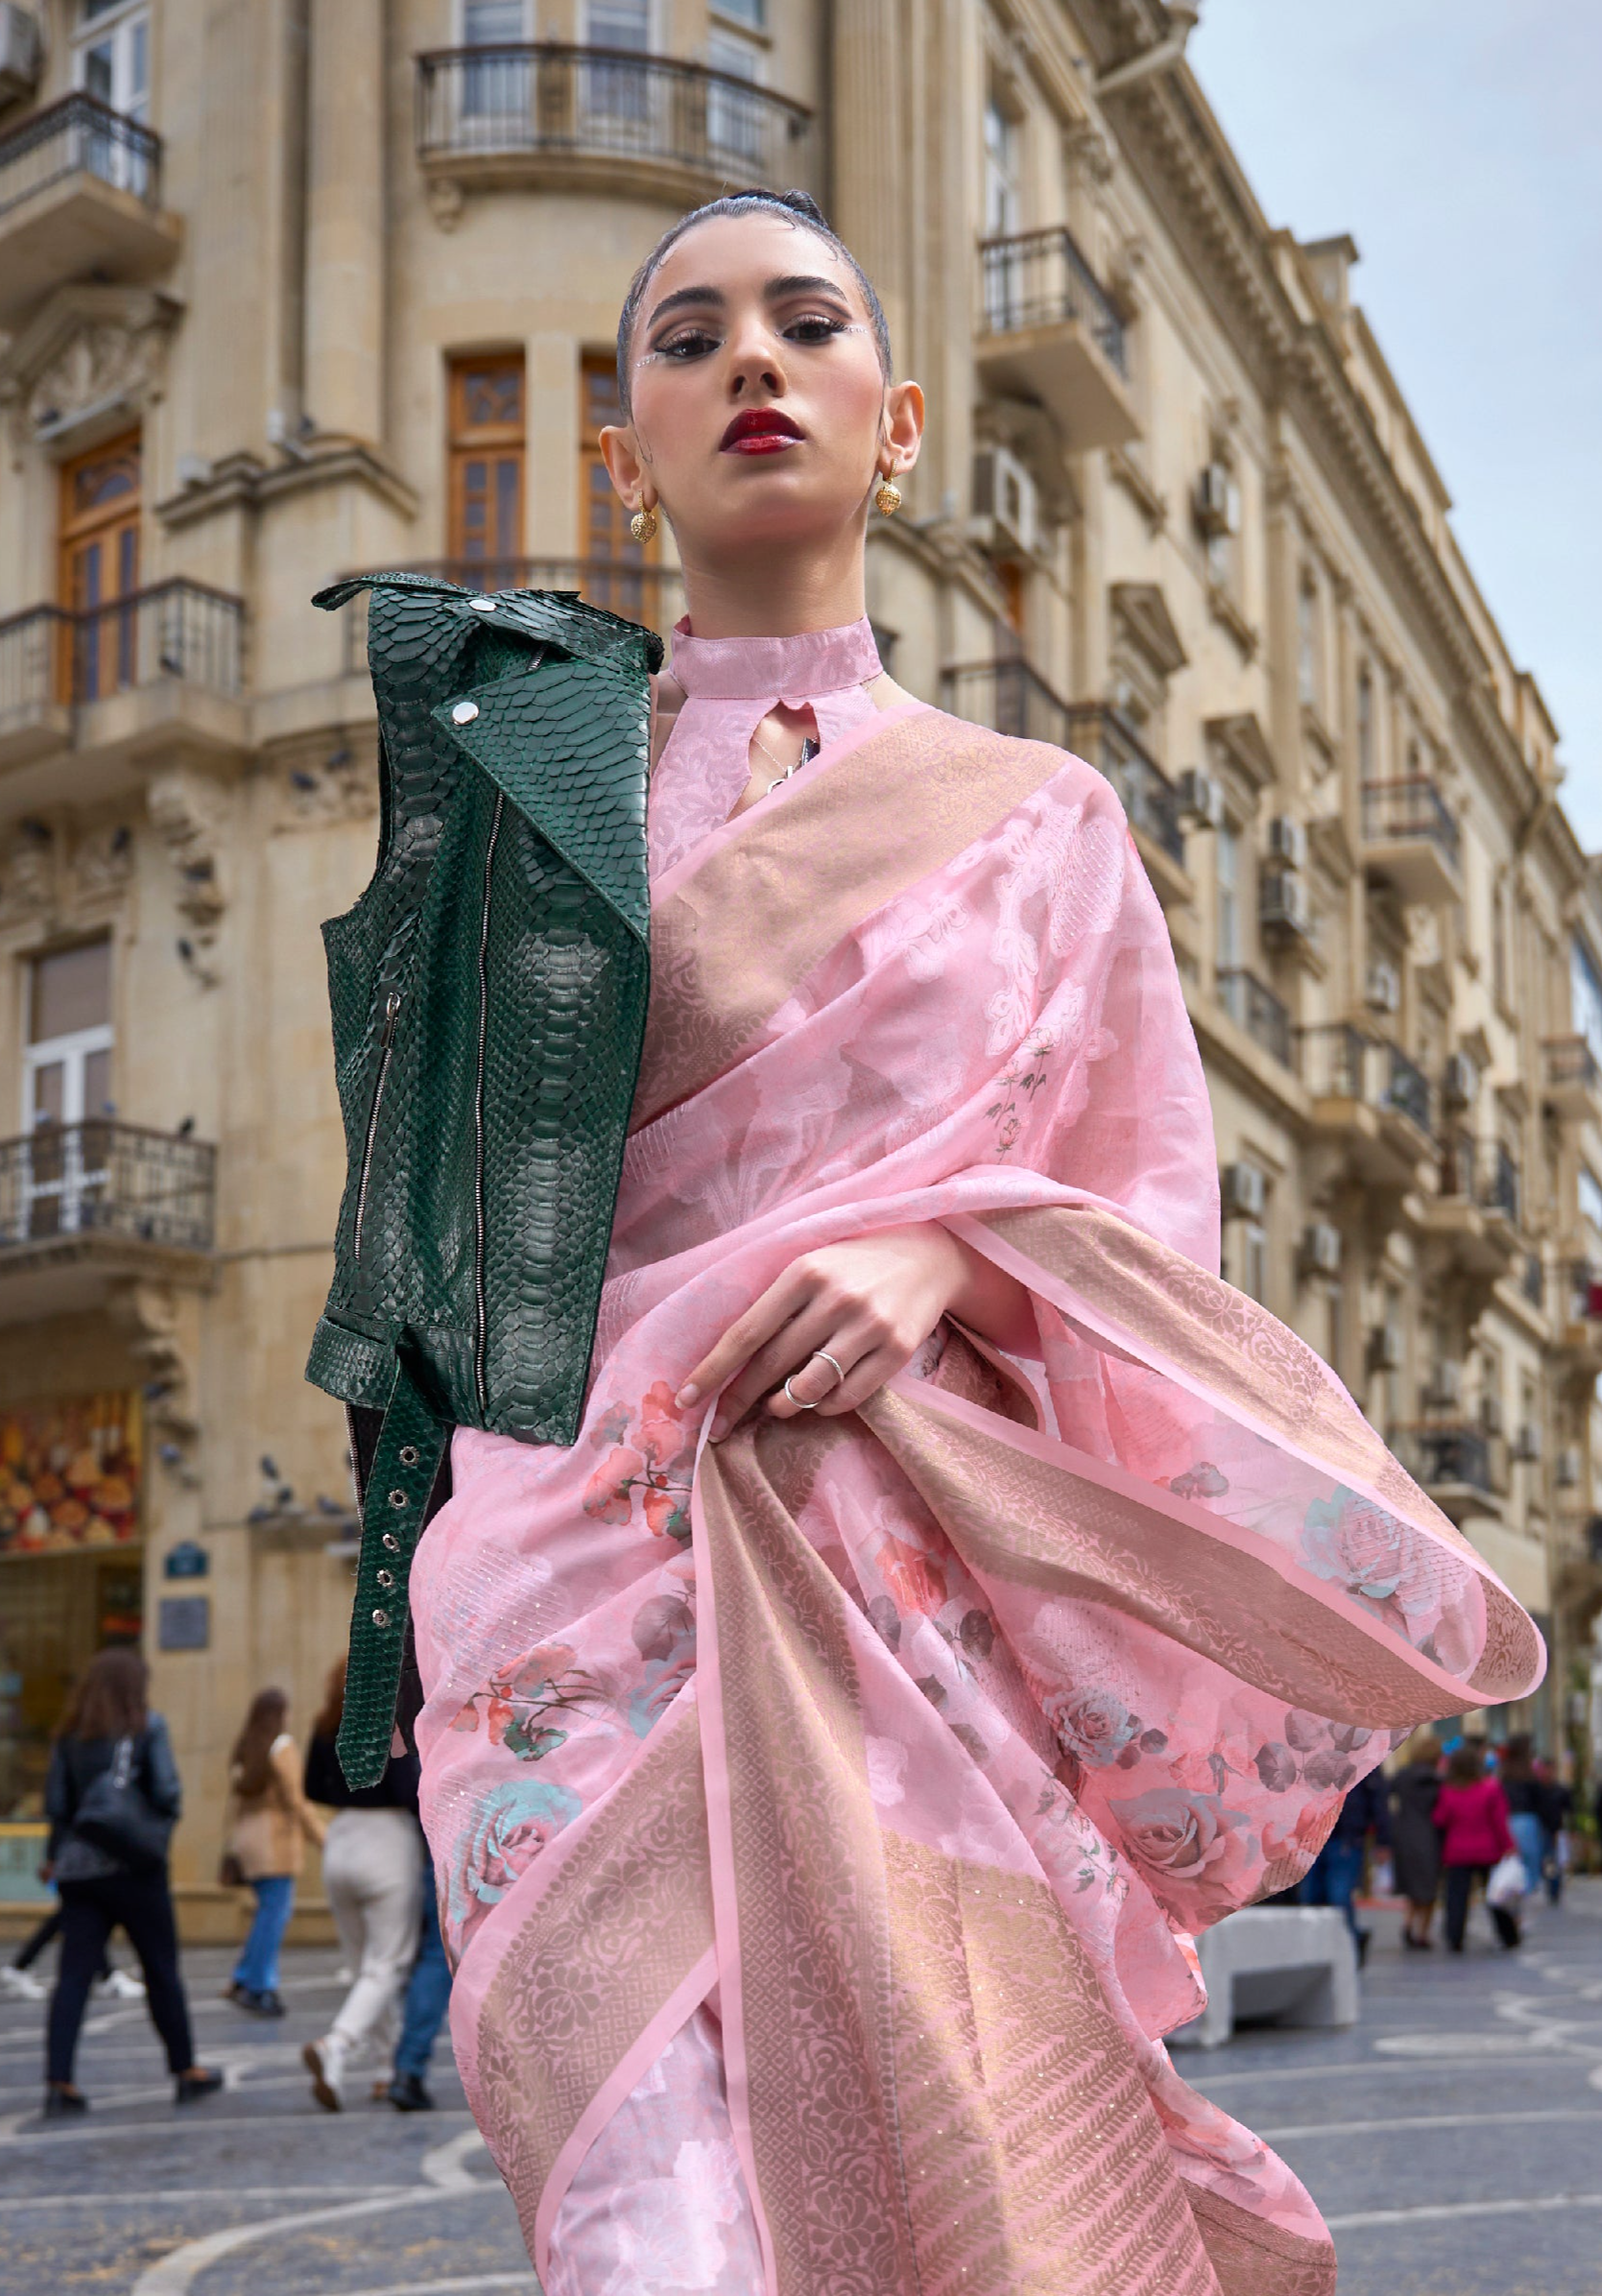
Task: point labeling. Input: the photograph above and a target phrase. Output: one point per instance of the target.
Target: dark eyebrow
(689, 295)
(803, 282)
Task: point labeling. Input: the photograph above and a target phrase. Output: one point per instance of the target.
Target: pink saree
(822, 1818)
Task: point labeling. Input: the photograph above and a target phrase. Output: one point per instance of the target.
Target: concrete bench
(1294, 1964)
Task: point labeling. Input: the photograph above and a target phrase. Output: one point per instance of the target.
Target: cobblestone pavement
(1454, 2139)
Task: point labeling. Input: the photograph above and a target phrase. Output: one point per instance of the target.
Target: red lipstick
(760, 430)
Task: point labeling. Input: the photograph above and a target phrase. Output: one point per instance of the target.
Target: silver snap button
(386, 1578)
(392, 1542)
(409, 1454)
(483, 606)
(398, 1499)
(381, 1619)
(463, 713)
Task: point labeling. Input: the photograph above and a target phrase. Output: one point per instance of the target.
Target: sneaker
(63, 2102)
(270, 2004)
(201, 2080)
(325, 2060)
(407, 2093)
(21, 1984)
(122, 1986)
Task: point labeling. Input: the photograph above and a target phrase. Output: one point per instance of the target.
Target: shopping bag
(1506, 1885)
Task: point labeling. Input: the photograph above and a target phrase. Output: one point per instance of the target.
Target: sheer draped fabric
(857, 1787)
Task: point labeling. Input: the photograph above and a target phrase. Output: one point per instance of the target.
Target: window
(1365, 723)
(66, 1086)
(1306, 642)
(618, 91)
(497, 90)
(1226, 847)
(112, 64)
(1254, 1261)
(486, 477)
(733, 121)
(619, 24)
(486, 23)
(753, 13)
(1001, 173)
(1585, 996)
(99, 566)
(1590, 1200)
(614, 574)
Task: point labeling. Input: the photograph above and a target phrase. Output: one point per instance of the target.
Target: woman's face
(760, 413)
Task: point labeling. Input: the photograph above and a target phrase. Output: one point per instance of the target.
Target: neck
(777, 591)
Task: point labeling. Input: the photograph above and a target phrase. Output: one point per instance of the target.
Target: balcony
(1461, 1466)
(602, 119)
(1048, 331)
(654, 596)
(1579, 1333)
(1483, 1173)
(1252, 1005)
(1410, 838)
(1368, 1095)
(1572, 1078)
(80, 198)
(1105, 739)
(160, 669)
(81, 1205)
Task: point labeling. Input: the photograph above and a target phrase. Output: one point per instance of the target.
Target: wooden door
(618, 571)
(487, 460)
(99, 573)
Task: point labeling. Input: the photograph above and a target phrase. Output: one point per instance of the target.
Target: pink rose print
(915, 1579)
(1180, 1834)
(1374, 1557)
(1092, 1725)
(657, 1461)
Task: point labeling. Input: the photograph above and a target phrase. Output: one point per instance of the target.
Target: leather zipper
(481, 1300)
(386, 1040)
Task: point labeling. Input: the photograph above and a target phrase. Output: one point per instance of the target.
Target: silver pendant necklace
(808, 750)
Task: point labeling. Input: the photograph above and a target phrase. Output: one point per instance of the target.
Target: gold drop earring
(887, 494)
(643, 524)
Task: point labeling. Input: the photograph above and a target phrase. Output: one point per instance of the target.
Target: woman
(956, 1595)
(1415, 1844)
(372, 1856)
(1522, 1791)
(103, 1882)
(1472, 1819)
(271, 1824)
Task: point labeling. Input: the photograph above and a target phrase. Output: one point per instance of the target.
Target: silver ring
(796, 1398)
(840, 1376)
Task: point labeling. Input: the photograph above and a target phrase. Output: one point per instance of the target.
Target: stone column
(344, 219)
(869, 173)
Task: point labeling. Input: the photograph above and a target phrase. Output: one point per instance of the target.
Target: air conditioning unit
(1491, 1414)
(1382, 988)
(1242, 1191)
(1006, 504)
(1529, 1439)
(1385, 1347)
(1283, 904)
(1287, 841)
(1566, 1471)
(1445, 1392)
(1321, 1247)
(19, 52)
(1201, 797)
(1459, 1079)
(1218, 500)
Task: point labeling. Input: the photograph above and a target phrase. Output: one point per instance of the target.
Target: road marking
(1423, 2120)
(89, 2130)
(212, 2192)
(1464, 2045)
(1456, 2209)
(448, 2287)
(1207, 2081)
(176, 2274)
(444, 2164)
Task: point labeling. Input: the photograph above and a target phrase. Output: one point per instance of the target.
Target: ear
(903, 426)
(620, 452)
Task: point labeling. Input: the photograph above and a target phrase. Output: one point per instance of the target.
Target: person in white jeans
(372, 1876)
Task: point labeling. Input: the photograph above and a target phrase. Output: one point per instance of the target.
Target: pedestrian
(272, 1821)
(1522, 1791)
(372, 1861)
(1333, 1877)
(1415, 1843)
(113, 1797)
(1472, 1818)
(16, 1975)
(422, 2011)
(1555, 1806)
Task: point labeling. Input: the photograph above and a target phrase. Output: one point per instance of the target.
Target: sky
(1458, 142)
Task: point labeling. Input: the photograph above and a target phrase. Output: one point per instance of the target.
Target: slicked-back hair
(793, 207)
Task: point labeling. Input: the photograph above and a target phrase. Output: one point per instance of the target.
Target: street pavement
(1453, 2140)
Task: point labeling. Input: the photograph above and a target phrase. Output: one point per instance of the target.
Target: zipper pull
(391, 1009)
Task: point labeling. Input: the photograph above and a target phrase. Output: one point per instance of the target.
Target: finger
(764, 1317)
(865, 1377)
(788, 1352)
(819, 1374)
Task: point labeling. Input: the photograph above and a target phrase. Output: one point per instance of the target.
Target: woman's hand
(842, 1321)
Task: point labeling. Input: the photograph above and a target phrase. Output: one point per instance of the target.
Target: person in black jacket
(102, 1888)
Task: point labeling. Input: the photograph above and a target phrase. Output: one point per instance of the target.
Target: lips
(761, 430)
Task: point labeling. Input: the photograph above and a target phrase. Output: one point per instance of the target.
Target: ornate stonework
(91, 350)
(188, 813)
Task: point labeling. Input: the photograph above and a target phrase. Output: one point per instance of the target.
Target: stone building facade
(292, 288)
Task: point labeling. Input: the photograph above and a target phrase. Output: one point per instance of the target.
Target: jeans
(1460, 1881)
(90, 1910)
(1530, 1834)
(1333, 1877)
(257, 1967)
(427, 1991)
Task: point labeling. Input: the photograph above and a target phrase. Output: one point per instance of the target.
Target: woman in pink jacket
(1470, 1813)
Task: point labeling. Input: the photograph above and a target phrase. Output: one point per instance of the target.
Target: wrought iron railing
(653, 596)
(80, 135)
(1407, 809)
(1252, 1006)
(1534, 1283)
(102, 1179)
(1041, 278)
(1105, 738)
(176, 628)
(1341, 1061)
(1444, 1453)
(1009, 696)
(1483, 1172)
(547, 99)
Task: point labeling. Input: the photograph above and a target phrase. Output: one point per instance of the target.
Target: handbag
(1505, 1885)
(115, 1818)
(230, 1874)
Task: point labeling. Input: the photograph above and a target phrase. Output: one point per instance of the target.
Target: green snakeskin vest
(488, 994)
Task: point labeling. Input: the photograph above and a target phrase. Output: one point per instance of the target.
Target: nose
(756, 368)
